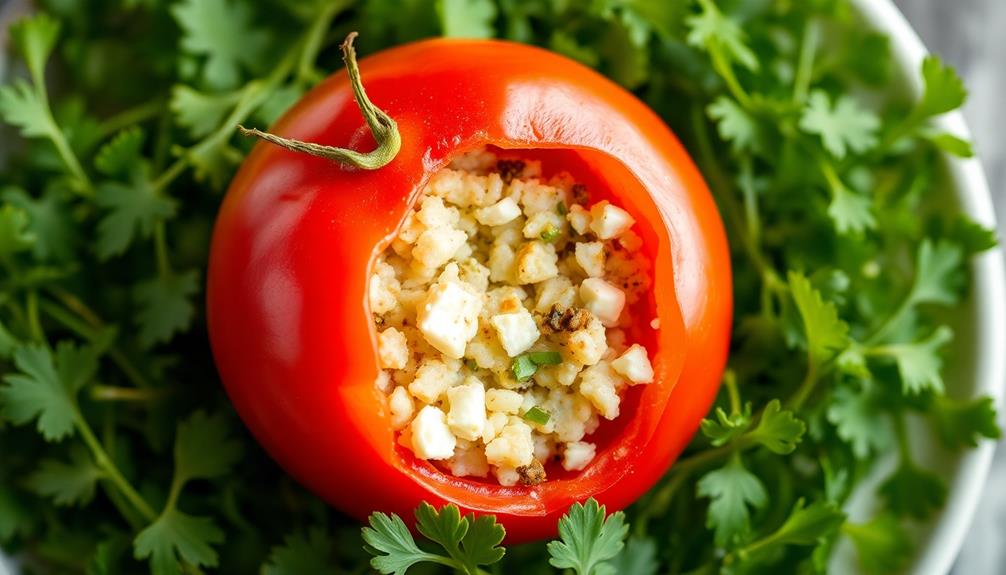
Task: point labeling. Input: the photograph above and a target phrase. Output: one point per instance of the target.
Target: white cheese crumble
(500, 307)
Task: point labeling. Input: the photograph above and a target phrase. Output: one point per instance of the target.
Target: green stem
(730, 381)
(878, 335)
(805, 64)
(34, 325)
(89, 329)
(807, 386)
(100, 392)
(161, 249)
(130, 117)
(105, 463)
(315, 39)
(382, 127)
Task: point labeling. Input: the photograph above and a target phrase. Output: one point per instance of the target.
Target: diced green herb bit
(470, 364)
(550, 234)
(537, 415)
(523, 368)
(561, 208)
(545, 357)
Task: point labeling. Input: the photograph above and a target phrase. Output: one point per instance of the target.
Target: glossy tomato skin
(297, 235)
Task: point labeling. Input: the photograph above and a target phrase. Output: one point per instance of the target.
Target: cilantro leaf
(132, 209)
(468, 541)
(944, 91)
(779, 431)
(392, 545)
(726, 428)
(937, 273)
(962, 422)
(587, 539)
(732, 489)
(467, 18)
(51, 225)
(301, 554)
(121, 153)
(881, 544)
(842, 128)
(176, 535)
(974, 238)
(859, 421)
(913, 491)
(67, 483)
(15, 516)
(165, 305)
(712, 30)
(14, 235)
(734, 124)
(850, 211)
(804, 526)
(35, 38)
(46, 387)
(639, 557)
(21, 107)
(919, 363)
(951, 144)
(825, 332)
(203, 448)
(200, 114)
(223, 32)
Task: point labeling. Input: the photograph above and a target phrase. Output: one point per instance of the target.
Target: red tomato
(297, 236)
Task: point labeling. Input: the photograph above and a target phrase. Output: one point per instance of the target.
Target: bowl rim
(989, 291)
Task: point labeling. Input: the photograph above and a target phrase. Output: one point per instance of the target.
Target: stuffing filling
(499, 308)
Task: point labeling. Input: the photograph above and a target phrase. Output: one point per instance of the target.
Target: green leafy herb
(537, 415)
(588, 538)
(545, 357)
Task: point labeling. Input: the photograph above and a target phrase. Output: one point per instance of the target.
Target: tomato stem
(382, 126)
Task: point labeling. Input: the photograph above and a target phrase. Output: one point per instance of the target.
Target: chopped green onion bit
(537, 416)
(523, 368)
(561, 208)
(550, 234)
(545, 357)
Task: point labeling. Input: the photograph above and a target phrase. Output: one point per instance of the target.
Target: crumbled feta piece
(598, 384)
(507, 476)
(434, 214)
(517, 331)
(411, 229)
(501, 262)
(469, 460)
(392, 349)
(502, 212)
(590, 257)
(577, 455)
(588, 344)
(436, 247)
(402, 407)
(608, 221)
(603, 300)
(536, 197)
(536, 262)
(431, 437)
(467, 415)
(513, 446)
(384, 289)
(579, 218)
(634, 365)
(503, 400)
(543, 222)
(494, 425)
(432, 379)
(569, 414)
(543, 446)
(655, 323)
(448, 317)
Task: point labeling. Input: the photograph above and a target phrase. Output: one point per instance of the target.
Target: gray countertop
(970, 35)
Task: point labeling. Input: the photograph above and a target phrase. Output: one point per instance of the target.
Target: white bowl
(981, 333)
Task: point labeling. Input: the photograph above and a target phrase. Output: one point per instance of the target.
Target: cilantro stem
(131, 117)
(892, 320)
(34, 325)
(89, 330)
(805, 63)
(161, 249)
(383, 128)
(315, 38)
(105, 463)
(730, 382)
(806, 386)
(101, 392)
